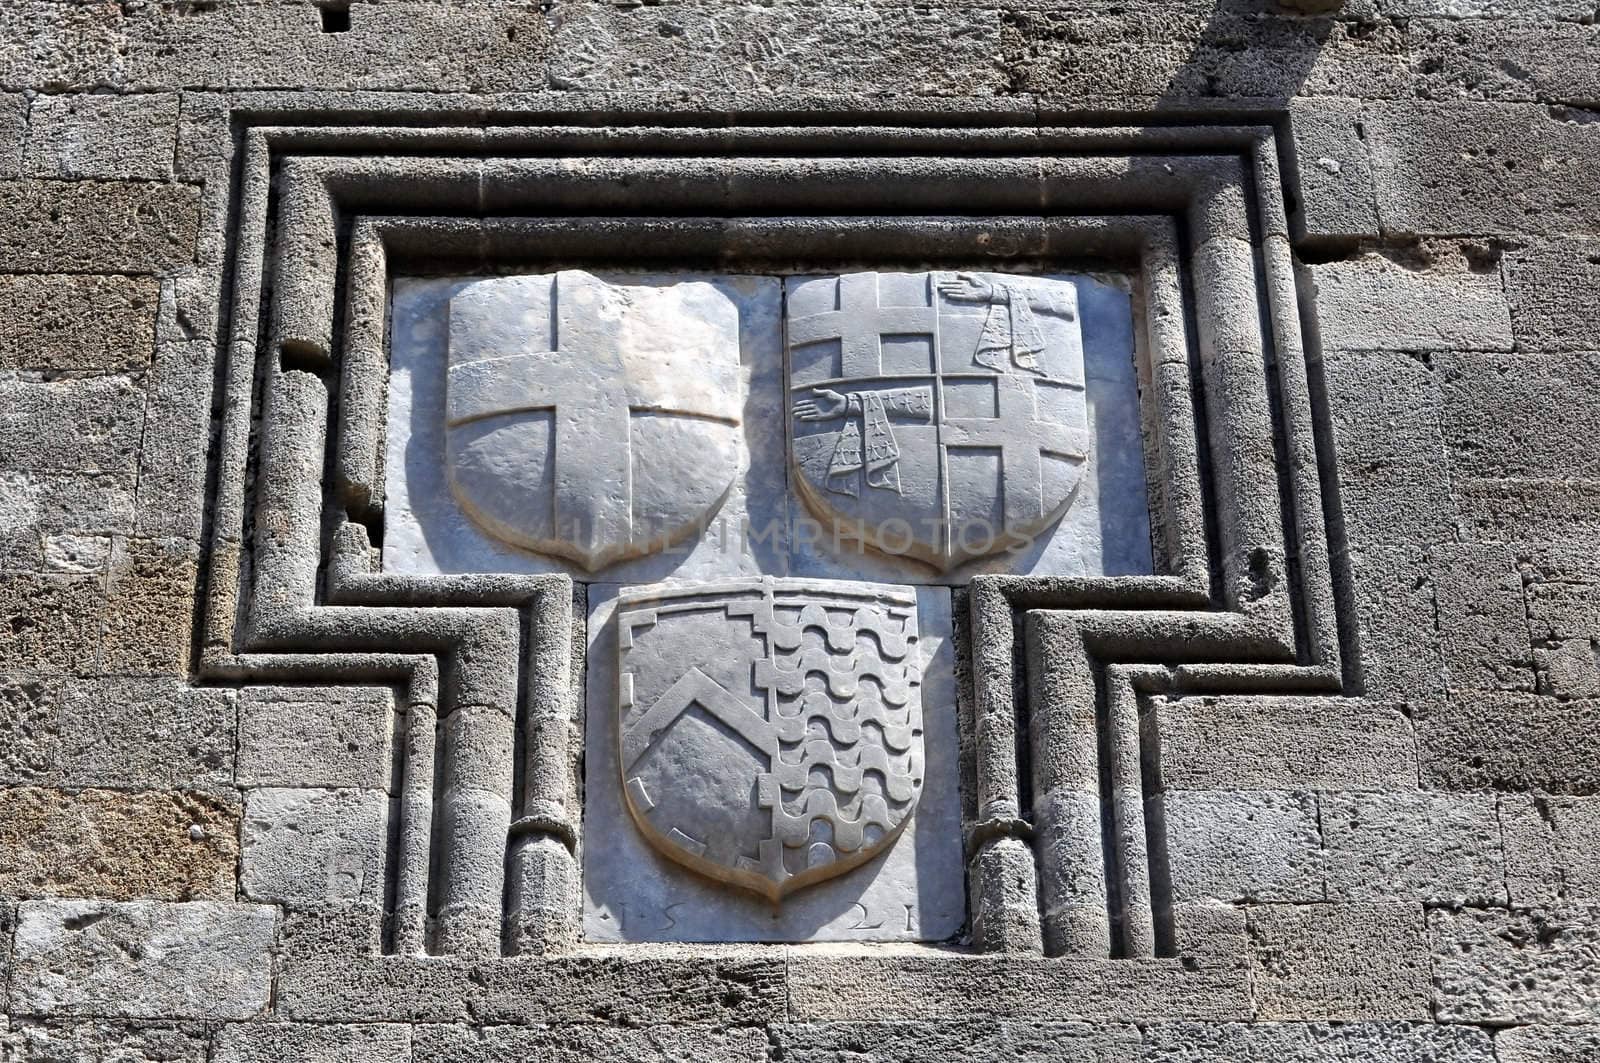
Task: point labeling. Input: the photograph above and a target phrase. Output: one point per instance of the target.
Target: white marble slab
(914, 891)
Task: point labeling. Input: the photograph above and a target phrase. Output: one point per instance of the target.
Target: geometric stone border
(326, 204)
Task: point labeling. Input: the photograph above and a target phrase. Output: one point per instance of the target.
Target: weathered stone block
(74, 424)
(1547, 282)
(1337, 198)
(165, 845)
(1339, 961)
(1392, 599)
(1528, 510)
(1513, 742)
(177, 435)
(29, 710)
(717, 48)
(142, 960)
(1267, 743)
(150, 601)
(579, 1042)
(1115, 56)
(1496, 415)
(312, 847)
(888, 986)
(1482, 618)
(1548, 1044)
(112, 1042)
(263, 1042)
(1551, 844)
(1507, 59)
(1244, 845)
(13, 132)
(67, 322)
(1293, 1042)
(912, 1042)
(1439, 848)
(1376, 303)
(36, 506)
(48, 623)
(1484, 169)
(146, 733)
(413, 44)
(1383, 407)
(323, 736)
(102, 136)
(97, 226)
(1496, 966)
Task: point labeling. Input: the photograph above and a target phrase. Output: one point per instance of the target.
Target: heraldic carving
(932, 415)
(590, 420)
(770, 730)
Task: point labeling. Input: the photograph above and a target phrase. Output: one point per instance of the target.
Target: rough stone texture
(149, 613)
(102, 136)
(1524, 966)
(147, 733)
(168, 845)
(309, 847)
(1515, 742)
(1551, 844)
(1394, 471)
(325, 736)
(70, 1042)
(1545, 285)
(1285, 1042)
(1244, 845)
(1265, 743)
(105, 415)
(142, 960)
(297, 1043)
(1484, 169)
(1335, 166)
(50, 623)
(575, 1043)
(910, 1042)
(1376, 303)
(97, 226)
(65, 322)
(1438, 848)
(1339, 961)
(1548, 1044)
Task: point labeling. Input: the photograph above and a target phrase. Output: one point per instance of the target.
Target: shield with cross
(590, 419)
(939, 416)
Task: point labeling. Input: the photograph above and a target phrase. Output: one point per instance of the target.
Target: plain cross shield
(770, 730)
(590, 420)
(937, 416)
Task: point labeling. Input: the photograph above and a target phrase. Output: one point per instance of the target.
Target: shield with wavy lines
(770, 730)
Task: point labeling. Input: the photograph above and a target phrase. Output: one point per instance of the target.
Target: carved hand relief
(770, 732)
(936, 416)
(591, 420)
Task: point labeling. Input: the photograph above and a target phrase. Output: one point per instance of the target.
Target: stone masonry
(262, 801)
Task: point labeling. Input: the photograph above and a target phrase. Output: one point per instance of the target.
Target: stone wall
(1401, 868)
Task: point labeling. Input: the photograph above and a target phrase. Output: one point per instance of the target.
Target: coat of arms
(932, 415)
(770, 730)
(591, 420)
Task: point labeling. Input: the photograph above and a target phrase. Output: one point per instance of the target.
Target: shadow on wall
(1240, 54)
(1183, 51)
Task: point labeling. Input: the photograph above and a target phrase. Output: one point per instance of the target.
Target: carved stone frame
(328, 205)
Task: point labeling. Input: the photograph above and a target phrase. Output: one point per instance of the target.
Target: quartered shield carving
(770, 730)
(590, 420)
(936, 416)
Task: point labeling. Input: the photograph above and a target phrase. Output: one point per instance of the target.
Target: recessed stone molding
(1049, 738)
